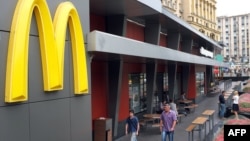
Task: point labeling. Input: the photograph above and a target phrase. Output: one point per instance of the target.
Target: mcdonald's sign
(52, 41)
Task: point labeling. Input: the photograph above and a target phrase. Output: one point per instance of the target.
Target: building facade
(235, 35)
(174, 6)
(201, 14)
(94, 59)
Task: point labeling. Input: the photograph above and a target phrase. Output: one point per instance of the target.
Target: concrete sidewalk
(153, 133)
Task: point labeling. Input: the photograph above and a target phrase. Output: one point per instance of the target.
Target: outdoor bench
(190, 130)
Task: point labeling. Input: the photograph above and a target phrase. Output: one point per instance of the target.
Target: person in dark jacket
(222, 106)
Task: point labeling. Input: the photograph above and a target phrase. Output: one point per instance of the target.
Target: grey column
(152, 36)
(114, 93)
(173, 40)
(187, 44)
(185, 77)
(159, 85)
(151, 77)
(209, 70)
(152, 32)
(115, 24)
(172, 71)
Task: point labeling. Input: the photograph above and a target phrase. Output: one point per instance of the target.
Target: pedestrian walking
(167, 123)
(132, 126)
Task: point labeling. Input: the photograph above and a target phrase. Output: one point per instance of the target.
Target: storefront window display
(137, 92)
(200, 83)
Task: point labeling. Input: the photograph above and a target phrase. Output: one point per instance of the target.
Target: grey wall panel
(14, 121)
(68, 66)
(70, 69)
(7, 9)
(50, 120)
(36, 91)
(81, 125)
(4, 36)
(6, 13)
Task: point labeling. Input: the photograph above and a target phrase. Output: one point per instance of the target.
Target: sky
(232, 7)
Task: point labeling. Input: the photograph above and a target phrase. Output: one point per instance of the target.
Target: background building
(201, 14)
(235, 35)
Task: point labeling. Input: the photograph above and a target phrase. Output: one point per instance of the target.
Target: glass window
(165, 87)
(137, 92)
(200, 83)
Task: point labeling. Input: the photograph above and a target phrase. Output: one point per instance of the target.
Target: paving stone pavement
(153, 133)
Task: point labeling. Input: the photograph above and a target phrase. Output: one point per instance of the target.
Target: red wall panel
(161, 68)
(97, 22)
(124, 99)
(99, 89)
(191, 93)
(180, 46)
(196, 51)
(163, 40)
(135, 31)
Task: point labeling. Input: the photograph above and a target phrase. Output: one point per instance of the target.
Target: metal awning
(109, 43)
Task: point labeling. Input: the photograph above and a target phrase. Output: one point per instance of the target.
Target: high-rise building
(235, 35)
(201, 14)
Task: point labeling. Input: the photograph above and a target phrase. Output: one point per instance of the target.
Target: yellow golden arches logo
(52, 42)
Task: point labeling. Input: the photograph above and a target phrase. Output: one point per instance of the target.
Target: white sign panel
(206, 52)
